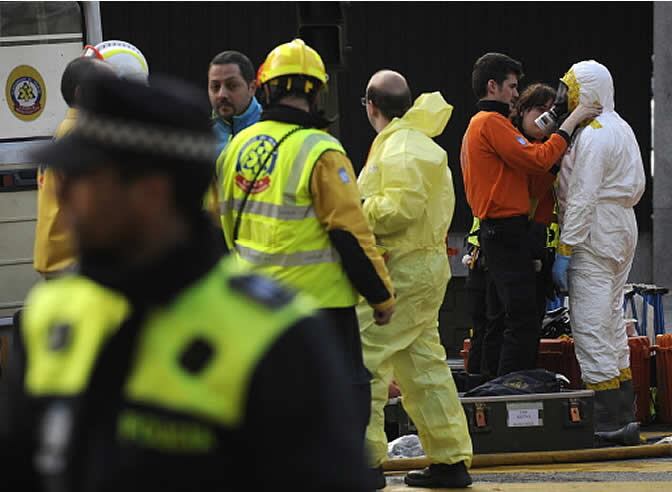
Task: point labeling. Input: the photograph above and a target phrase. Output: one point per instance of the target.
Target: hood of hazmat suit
(409, 200)
(601, 180)
(406, 184)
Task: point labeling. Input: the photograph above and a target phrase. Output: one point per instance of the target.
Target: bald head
(389, 93)
(389, 82)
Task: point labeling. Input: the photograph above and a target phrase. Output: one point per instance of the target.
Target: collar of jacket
(71, 114)
(160, 281)
(288, 114)
(241, 121)
(494, 107)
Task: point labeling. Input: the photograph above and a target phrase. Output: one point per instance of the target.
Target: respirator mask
(554, 117)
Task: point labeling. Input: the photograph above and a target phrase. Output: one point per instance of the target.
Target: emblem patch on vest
(255, 164)
(262, 290)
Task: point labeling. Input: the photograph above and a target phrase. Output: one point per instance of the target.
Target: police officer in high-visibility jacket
(290, 207)
(160, 365)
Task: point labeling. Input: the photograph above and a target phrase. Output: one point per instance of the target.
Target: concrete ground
(639, 475)
(644, 475)
(633, 475)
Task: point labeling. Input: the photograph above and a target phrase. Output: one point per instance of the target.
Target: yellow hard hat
(294, 58)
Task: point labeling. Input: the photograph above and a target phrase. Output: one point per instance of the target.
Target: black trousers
(511, 291)
(345, 327)
(537, 234)
(545, 287)
(486, 339)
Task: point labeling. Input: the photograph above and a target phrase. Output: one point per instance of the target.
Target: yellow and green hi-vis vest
(280, 235)
(472, 237)
(67, 322)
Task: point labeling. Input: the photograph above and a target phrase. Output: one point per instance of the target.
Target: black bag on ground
(520, 383)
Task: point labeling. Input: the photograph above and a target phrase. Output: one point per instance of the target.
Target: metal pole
(662, 178)
(94, 25)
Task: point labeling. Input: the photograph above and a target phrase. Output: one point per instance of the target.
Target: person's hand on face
(587, 112)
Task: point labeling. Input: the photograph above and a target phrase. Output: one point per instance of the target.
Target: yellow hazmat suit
(54, 251)
(409, 201)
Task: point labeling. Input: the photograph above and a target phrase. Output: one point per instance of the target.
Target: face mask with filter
(554, 117)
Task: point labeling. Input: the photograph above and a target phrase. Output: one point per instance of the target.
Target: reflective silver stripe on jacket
(281, 212)
(288, 260)
(292, 185)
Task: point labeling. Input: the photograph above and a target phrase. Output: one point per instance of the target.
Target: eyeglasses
(364, 100)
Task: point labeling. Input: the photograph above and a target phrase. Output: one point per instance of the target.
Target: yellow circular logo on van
(25, 93)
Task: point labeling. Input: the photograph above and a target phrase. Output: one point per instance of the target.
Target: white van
(37, 40)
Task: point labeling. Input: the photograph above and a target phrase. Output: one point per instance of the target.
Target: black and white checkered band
(138, 137)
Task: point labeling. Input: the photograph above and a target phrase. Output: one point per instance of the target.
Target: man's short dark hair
(79, 70)
(390, 105)
(237, 58)
(493, 66)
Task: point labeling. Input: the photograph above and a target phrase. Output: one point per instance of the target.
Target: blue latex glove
(560, 272)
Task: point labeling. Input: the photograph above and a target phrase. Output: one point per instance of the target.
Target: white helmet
(128, 60)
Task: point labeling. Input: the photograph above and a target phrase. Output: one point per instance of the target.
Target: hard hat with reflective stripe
(293, 58)
(127, 59)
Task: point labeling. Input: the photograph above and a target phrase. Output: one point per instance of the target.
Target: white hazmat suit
(601, 180)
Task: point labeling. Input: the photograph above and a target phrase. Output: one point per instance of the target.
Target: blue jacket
(224, 131)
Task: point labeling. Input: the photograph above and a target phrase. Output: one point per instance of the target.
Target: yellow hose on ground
(543, 457)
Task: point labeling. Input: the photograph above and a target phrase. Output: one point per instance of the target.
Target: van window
(39, 19)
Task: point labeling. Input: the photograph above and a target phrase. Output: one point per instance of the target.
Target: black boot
(606, 411)
(628, 435)
(627, 394)
(377, 478)
(440, 476)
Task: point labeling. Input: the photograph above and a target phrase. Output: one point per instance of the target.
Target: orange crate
(640, 365)
(664, 377)
(557, 355)
(466, 346)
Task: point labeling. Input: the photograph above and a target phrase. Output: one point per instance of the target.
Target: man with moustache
(231, 87)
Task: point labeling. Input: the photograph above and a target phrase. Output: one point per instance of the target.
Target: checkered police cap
(126, 121)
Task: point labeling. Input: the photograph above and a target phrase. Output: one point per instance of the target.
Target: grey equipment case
(519, 423)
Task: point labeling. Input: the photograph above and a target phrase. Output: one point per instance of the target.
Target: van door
(37, 40)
